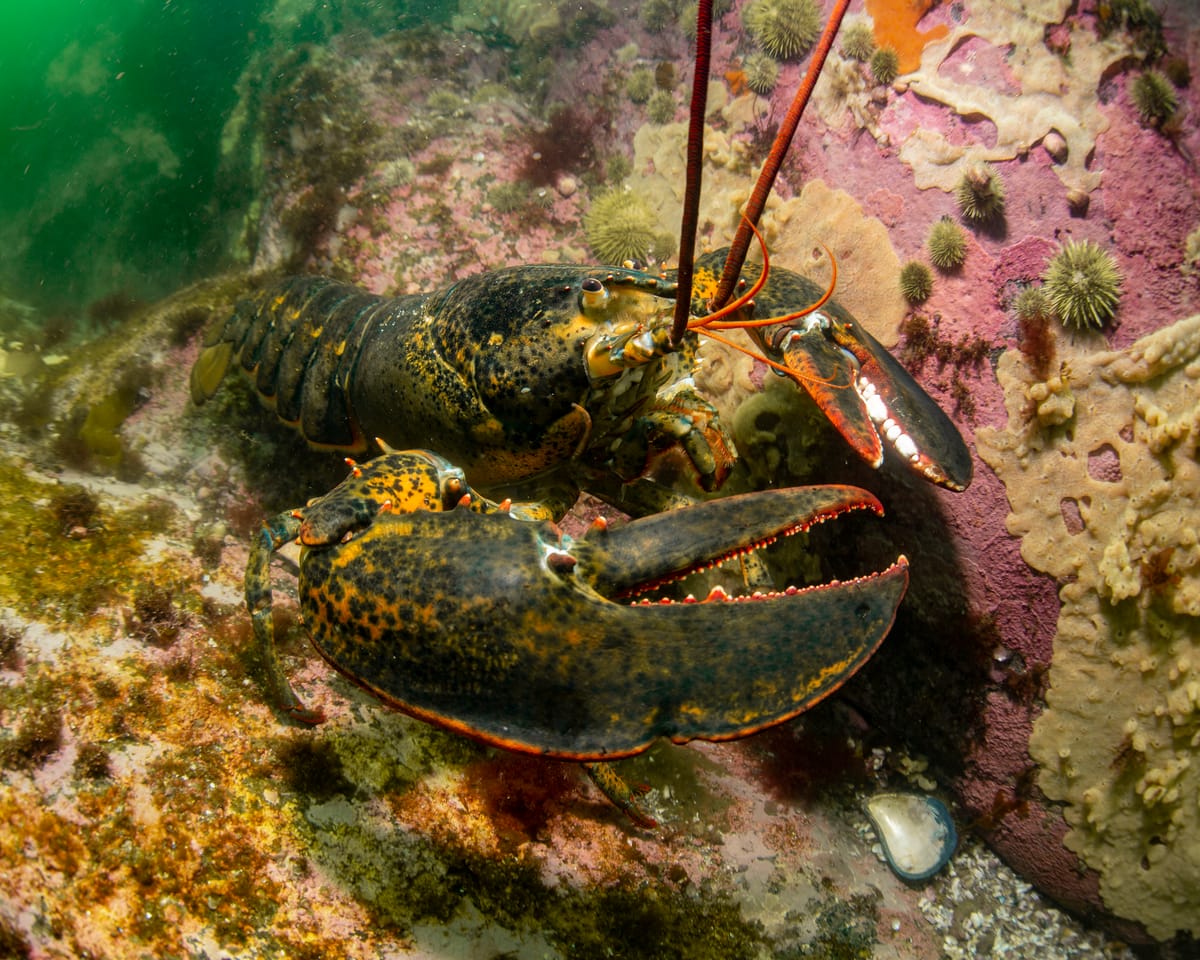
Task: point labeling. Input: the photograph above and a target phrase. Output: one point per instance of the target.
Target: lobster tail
(298, 341)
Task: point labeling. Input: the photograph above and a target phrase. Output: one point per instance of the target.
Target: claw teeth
(716, 593)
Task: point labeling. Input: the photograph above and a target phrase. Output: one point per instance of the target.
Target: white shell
(917, 833)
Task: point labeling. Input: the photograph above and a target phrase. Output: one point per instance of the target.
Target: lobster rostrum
(469, 615)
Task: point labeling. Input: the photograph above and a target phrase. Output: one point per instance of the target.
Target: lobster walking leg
(279, 530)
(620, 793)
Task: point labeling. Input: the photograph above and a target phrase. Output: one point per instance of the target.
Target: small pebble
(566, 186)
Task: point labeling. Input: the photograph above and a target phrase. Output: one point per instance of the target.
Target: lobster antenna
(695, 161)
(766, 179)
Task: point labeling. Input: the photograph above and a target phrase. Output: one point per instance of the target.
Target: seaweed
(566, 144)
(74, 509)
(312, 767)
(38, 735)
(92, 763)
(156, 620)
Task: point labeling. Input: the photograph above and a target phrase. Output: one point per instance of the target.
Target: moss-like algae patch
(134, 851)
(57, 575)
(406, 878)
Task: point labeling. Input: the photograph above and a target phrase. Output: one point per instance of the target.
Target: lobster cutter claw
(869, 397)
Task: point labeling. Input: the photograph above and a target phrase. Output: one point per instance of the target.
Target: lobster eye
(593, 294)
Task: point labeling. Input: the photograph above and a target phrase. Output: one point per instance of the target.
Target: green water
(112, 179)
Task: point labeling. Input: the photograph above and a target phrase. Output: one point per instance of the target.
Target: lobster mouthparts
(507, 631)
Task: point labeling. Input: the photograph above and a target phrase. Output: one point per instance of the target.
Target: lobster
(562, 376)
(483, 617)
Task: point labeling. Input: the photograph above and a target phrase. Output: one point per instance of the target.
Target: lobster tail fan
(209, 370)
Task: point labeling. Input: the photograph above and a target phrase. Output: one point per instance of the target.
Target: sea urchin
(916, 281)
(1031, 304)
(858, 41)
(660, 108)
(761, 73)
(947, 244)
(980, 193)
(783, 28)
(1152, 95)
(620, 226)
(640, 85)
(1083, 284)
(885, 65)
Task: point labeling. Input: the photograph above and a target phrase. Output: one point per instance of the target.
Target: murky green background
(112, 114)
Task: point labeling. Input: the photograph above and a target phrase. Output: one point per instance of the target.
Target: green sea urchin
(916, 282)
(508, 197)
(660, 108)
(1035, 336)
(1083, 284)
(621, 226)
(980, 193)
(686, 21)
(1031, 304)
(783, 28)
(761, 73)
(640, 85)
(858, 41)
(947, 244)
(656, 14)
(885, 65)
(1153, 97)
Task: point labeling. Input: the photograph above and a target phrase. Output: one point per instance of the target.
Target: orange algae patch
(896, 27)
(737, 82)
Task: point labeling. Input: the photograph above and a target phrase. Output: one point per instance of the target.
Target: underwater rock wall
(1104, 499)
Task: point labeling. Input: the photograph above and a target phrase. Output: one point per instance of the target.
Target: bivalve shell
(917, 833)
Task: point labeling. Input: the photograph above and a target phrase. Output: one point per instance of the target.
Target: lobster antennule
(714, 320)
(752, 324)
